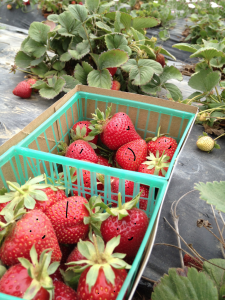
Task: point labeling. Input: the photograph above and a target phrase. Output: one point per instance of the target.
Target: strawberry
(105, 273)
(81, 3)
(81, 150)
(73, 2)
(75, 255)
(32, 81)
(81, 133)
(131, 155)
(23, 90)
(112, 71)
(115, 85)
(103, 161)
(161, 143)
(129, 189)
(63, 292)
(9, 6)
(129, 222)
(34, 228)
(57, 276)
(115, 132)
(30, 280)
(188, 261)
(155, 165)
(67, 218)
(206, 143)
(26, 2)
(160, 59)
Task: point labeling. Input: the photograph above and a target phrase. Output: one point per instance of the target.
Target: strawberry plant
(84, 44)
(53, 6)
(23, 4)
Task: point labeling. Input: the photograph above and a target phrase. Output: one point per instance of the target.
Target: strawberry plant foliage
(78, 45)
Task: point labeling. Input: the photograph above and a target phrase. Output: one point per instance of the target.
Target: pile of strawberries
(65, 248)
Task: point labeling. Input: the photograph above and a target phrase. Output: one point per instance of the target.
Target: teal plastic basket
(146, 117)
(19, 164)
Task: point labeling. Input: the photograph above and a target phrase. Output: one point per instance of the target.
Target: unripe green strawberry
(206, 143)
(203, 117)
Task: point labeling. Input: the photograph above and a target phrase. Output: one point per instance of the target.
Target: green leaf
(29, 202)
(34, 48)
(213, 193)
(79, 12)
(196, 286)
(58, 65)
(149, 89)
(117, 41)
(37, 61)
(40, 69)
(170, 73)
(140, 23)
(92, 275)
(185, 47)
(112, 58)
(3, 191)
(164, 35)
(92, 5)
(49, 92)
(129, 64)
(103, 26)
(87, 68)
(69, 26)
(70, 83)
(22, 60)
(201, 66)
(205, 80)
(207, 53)
(39, 32)
(139, 37)
(53, 18)
(53, 267)
(217, 62)
(39, 84)
(81, 50)
(65, 56)
(100, 78)
(149, 51)
(80, 74)
(174, 91)
(165, 52)
(117, 24)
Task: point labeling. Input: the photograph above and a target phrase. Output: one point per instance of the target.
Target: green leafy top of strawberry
(156, 137)
(80, 134)
(39, 271)
(59, 183)
(99, 256)
(3, 191)
(159, 163)
(99, 120)
(29, 192)
(62, 148)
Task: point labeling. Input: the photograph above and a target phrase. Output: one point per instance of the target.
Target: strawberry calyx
(62, 148)
(39, 271)
(159, 163)
(80, 134)
(100, 119)
(156, 137)
(99, 256)
(29, 192)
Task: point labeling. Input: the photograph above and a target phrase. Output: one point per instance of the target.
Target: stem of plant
(218, 95)
(96, 249)
(15, 187)
(193, 99)
(219, 137)
(42, 266)
(87, 37)
(217, 224)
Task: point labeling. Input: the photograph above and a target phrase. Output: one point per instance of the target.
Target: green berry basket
(19, 164)
(147, 114)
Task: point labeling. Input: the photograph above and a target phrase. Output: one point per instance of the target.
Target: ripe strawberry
(9, 6)
(63, 292)
(103, 161)
(160, 59)
(115, 132)
(23, 90)
(112, 71)
(81, 150)
(129, 190)
(130, 223)
(131, 155)
(188, 260)
(26, 2)
(67, 218)
(155, 165)
(161, 143)
(115, 85)
(206, 143)
(17, 281)
(34, 228)
(73, 2)
(32, 81)
(105, 274)
(81, 3)
(79, 136)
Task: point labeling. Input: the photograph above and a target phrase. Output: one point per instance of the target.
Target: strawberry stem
(119, 201)
(99, 260)
(15, 187)
(219, 136)
(41, 267)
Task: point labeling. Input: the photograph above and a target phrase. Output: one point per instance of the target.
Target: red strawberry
(112, 71)
(9, 6)
(26, 2)
(188, 260)
(155, 165)
(129, 189)
(160, 59)
(75, 255)
(101, 280)
(131, 155)
(63, 292)
(17, 281)
(81, 3)
(161, 143)
(32, 81)
(85, 124)
(81, 150)
(73, 2)
(66, 250)
(115, 85)
(34, 228)
(130, 223)
(103, 161)
(67, 218)
(23, 90)
(115, 132)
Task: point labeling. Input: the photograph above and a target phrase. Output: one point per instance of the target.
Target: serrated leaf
(196, 286)
(207, 53)
(34, 48)
(129, 64)
(65, 56)
(170, 73)
(51, 92)
(217, 62)
(112, 58)
(100, 78)
(39, 32)
(213, 193)
(70, 26)
(165, 52)
(139, 37)
(81, 50)
(205, 80)
(80, 74)
(58, 65)
(70, 83)
(87, 68)
(40, 69)
(147, 22)
(117, 24)
(37, 61)
(103, 26)
(185, 47)
(39, 84)
(149, 51)
(117, 41)
(53, 18)
(174, 91)
(79, 12)
(22, 60)
(92, 5)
